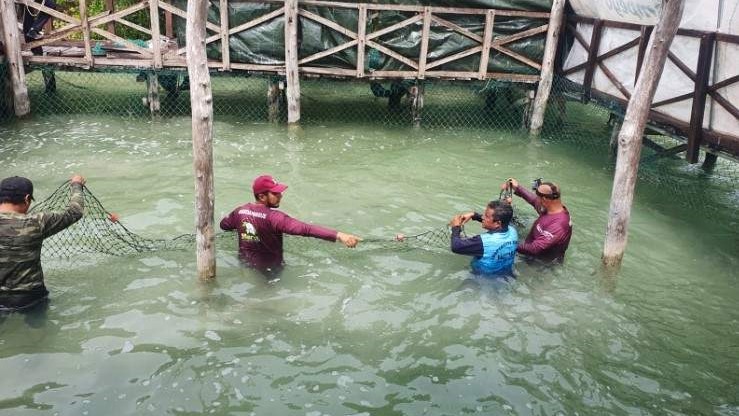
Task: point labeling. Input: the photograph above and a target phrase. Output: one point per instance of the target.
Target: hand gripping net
(99, 232)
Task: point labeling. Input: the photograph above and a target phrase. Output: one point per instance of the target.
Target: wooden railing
(700, 76)
(160, 54)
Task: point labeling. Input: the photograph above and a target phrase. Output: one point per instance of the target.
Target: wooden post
(110, 6)
(274, 94)
(424, 43)
(225, 50)
(361, 39)
(152, 88)
(703, 73)
(291, 61)
(86, 33)
(416, 93)
(487, 40)
(527, 113)
(168, 26)
(201, 101)
(12, 41)
(156, 46)
(630, 137)
(547, 67)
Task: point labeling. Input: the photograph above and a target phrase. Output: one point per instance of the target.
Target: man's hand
(512, 181)
(348, 240)
(466, 217)
(457, 221)
(78, 179)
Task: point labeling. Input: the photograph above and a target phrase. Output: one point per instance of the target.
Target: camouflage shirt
(21, 236)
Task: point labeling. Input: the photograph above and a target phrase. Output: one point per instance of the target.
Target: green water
(370, 331)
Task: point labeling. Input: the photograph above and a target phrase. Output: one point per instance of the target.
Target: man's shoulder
(16, 223)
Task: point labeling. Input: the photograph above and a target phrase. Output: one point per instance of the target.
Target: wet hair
(502, 212)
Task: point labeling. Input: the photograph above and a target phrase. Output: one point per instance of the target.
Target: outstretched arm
(53, 222)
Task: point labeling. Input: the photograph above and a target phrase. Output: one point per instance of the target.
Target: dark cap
(15, 187)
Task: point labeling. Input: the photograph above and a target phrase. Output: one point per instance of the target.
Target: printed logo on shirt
(249, 212)
(250, 233)
(544, 232)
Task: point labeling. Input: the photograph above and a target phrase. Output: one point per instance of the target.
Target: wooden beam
(487, 40)
(394, 27)
(630, 136)
(156, 43)
(520, 35)
(424, 43)
(703, 74)
(328, 52)
(361, 39)
(201, 102)
(547, 68)
(680, 64)
(391, 53)
(12, 42)
(128, 43)
(291, 61)
(471, 51)
(48, 10)
(646, 33)
(517, 56)
(592, 55)
(225, 49)
(460, 29)
(177, 12)
(335, 26)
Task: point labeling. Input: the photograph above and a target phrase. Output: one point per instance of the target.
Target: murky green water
(371, 331)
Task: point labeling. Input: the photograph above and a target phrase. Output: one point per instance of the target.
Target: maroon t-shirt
(550, 234)
(260, 230)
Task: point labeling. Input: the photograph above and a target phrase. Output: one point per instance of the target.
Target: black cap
(16, 186)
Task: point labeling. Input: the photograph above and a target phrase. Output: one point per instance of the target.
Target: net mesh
(493, 107)
(99, 232)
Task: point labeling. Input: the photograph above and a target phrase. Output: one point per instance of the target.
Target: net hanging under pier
(99, 232)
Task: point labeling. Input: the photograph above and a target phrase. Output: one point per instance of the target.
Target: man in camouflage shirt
(21, 235)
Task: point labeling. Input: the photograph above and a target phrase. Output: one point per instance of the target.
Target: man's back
(21, 237)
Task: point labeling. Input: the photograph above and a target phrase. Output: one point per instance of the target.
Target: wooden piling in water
(630, 136)
(152, 93)
(291, 61)
(416, 94)
(12, 41)
(274, 95)
(201, 101)
(547, 67)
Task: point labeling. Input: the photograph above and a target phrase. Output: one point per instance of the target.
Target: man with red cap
(260, 227)
(21, 235)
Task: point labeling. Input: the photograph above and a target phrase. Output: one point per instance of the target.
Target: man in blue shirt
(495, 250)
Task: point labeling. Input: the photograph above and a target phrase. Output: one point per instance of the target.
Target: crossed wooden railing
(160, 54)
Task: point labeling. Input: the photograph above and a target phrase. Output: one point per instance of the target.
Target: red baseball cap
(266, 183)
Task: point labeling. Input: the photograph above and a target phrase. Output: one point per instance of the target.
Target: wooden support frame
(703, 73)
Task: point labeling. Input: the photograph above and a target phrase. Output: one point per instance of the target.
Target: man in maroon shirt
(260, 227)
(550, 234)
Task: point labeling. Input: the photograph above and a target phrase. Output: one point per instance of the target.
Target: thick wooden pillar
(416, 95)
(291, 61)
(201, 101)
(152, 90)
(547, 67)
(274, 95)
(12, 41)
(630, 137)
(702, 75)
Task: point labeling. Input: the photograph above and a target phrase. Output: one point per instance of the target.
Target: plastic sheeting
(707, 15)
(265, 44)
